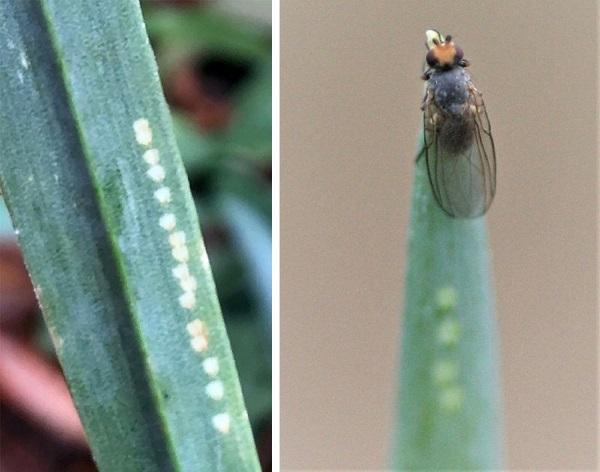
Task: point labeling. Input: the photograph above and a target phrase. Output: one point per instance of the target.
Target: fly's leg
(425, 105)
(477, 96)
(477, 108)
(427, 98)
(477, 100)
(474, 91)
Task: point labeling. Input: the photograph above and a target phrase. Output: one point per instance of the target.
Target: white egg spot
(446, 298)
(180, 253)
(181, 271)
(448, 332)
(444, 372)
(177, 239)
(195, 328)
(199, 343)
(221, 422)
(187, 300)
(163, 195)
(451, 398)
(143, 133)
(215, 390)
(211, 366)
(188, 284)
(151, 156)
(167, 221)
(156, 173)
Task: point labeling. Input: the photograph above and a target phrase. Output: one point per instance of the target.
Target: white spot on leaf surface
(199, 344)
(180, 253)
(195, 328)
(157, 173)
(143, 133)
(187, 300)
(167, 221)
(163, 195)
(211, 366)
(215, 390)
(151, 156)
(177, 239)
(181, 271)
(188, 284)
(222, 422)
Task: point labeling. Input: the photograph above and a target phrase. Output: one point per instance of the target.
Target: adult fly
(458, 144)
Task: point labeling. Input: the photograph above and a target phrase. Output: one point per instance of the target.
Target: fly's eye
(431, 59)
(458, 53)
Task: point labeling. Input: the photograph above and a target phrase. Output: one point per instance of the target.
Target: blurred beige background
(350, 96)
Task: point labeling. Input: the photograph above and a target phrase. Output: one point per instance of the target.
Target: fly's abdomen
(455, 134)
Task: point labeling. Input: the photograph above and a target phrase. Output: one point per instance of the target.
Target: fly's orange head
(441, 51)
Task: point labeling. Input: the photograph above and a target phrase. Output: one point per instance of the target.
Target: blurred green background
(215, 64)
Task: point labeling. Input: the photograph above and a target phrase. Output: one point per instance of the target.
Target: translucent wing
(460, 155)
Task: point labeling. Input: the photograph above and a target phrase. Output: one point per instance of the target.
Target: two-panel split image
(299, 235)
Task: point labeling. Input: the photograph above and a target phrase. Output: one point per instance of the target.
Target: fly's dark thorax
(450, 94)
(450, 89)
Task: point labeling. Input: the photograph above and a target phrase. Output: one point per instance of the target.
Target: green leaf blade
(78, 76)
(449, 404)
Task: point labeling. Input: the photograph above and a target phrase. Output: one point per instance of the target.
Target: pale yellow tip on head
(431, 35)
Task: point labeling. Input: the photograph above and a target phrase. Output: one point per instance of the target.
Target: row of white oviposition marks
(181, 272)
